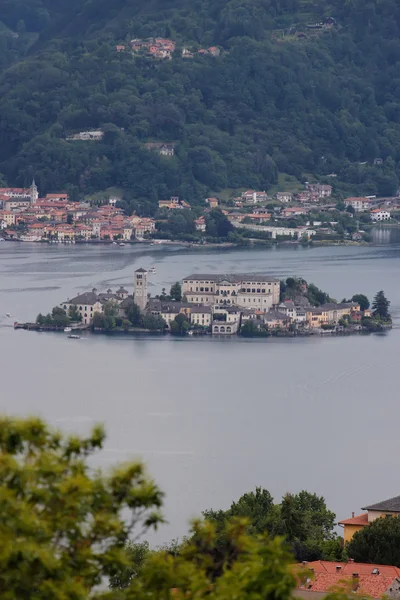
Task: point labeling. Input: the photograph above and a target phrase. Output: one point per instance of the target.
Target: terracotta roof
(390, 505)
(372, 580)
(348, 568)
(358, 520)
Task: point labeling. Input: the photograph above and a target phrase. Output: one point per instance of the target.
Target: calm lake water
(213, 418)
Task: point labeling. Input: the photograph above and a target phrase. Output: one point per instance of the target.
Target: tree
(179, 325)
(102, 321)
(133, 314)
(176, 292)
(154, 323)
(380, 306)
(217, 225)
(137, 553)
(65, 526)
(70, 218)
(59, 317)
(362, 301)
(74, 314)
(40, 319)
(259, 567)
(378, 543)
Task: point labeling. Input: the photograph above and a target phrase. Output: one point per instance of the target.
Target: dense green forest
(281, 97)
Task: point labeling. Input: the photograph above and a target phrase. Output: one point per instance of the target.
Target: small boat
(115, 244)
(121, 244)
(190, 333)
(68, 329)
(152, 270)
(74, 337)
(8, 315)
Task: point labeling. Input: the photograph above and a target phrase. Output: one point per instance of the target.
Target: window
(202, 289)
(258, 290)
(263, 291)
(197, 289)
(65, 307)
(80, 308)
(254, 290)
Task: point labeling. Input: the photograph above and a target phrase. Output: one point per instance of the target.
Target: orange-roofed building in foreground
(317, 578)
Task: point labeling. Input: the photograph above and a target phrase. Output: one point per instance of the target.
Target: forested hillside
(281, 96)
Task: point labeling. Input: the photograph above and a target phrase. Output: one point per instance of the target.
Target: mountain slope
(281, 96)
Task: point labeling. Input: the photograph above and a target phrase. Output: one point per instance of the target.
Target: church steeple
(34, 194)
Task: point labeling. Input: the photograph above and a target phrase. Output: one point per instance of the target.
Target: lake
(213, 418)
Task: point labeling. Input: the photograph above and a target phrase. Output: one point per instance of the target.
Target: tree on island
(378, 543)
(74, 314)
(176, 292)
(362, 300)
(133, 313)
(154, 323)
(64, 525)
(380, 306)
(59, 317)
(180, 325)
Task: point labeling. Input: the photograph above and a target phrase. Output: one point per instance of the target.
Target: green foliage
(217, 225)
(133, 314)
(137, 554)
(57, 318)
(380, 307)
(74, 314)
(378, 543)
(180, 325)
(154, 323)
(252, 329)
(176, 292)
(64, 526)
(362, 301)
(316, 296)
(302, 518)
(238, 119)
(102, 321)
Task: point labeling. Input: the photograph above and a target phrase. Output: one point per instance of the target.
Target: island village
(252, 217)
(253, 305)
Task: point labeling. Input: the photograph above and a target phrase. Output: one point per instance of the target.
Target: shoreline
(138, 331)
(258, 243)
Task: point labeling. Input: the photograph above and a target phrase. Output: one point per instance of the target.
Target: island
(249, 305)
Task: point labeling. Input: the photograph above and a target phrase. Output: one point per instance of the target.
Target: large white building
(247, 290)
(378, 214)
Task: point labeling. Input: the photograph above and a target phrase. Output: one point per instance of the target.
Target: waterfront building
(246, 290)
(87, 305)
(140, 288)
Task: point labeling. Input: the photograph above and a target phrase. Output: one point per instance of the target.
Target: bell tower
(34, 194)
(140, 288)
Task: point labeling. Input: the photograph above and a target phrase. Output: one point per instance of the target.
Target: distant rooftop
(231, 277)
(391, 505)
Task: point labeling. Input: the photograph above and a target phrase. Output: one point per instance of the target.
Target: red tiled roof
(358, 520)
(328, 576)
(327, 566)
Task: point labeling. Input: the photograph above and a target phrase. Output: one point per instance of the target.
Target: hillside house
(386, 508)
(359, 204)
(378, 214)
(284, 196)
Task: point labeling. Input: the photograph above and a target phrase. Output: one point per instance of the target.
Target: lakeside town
(307, 216)
(251, 305)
